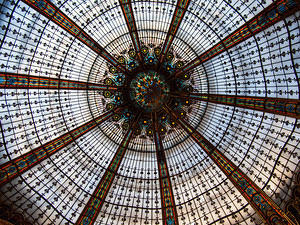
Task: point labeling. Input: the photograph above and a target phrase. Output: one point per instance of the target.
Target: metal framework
(275, 12)
(180, 10)
(258, 199)
(19, 165)
(49, 10)
(280, 106)
(166, 191)
(130, 21)
(22, 81)
(95, 203)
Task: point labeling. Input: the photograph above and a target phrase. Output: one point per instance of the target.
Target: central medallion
(145, 88)
(149, 91)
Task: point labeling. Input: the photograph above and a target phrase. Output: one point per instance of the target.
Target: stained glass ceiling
(149, 112)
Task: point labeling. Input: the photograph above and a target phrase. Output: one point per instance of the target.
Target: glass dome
(149, 112)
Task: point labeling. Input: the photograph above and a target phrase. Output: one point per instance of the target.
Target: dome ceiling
(149, 112)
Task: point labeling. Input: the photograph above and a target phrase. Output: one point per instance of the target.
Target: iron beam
(95, 203)
(22, 81)
(166, 192)
(280, 106)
